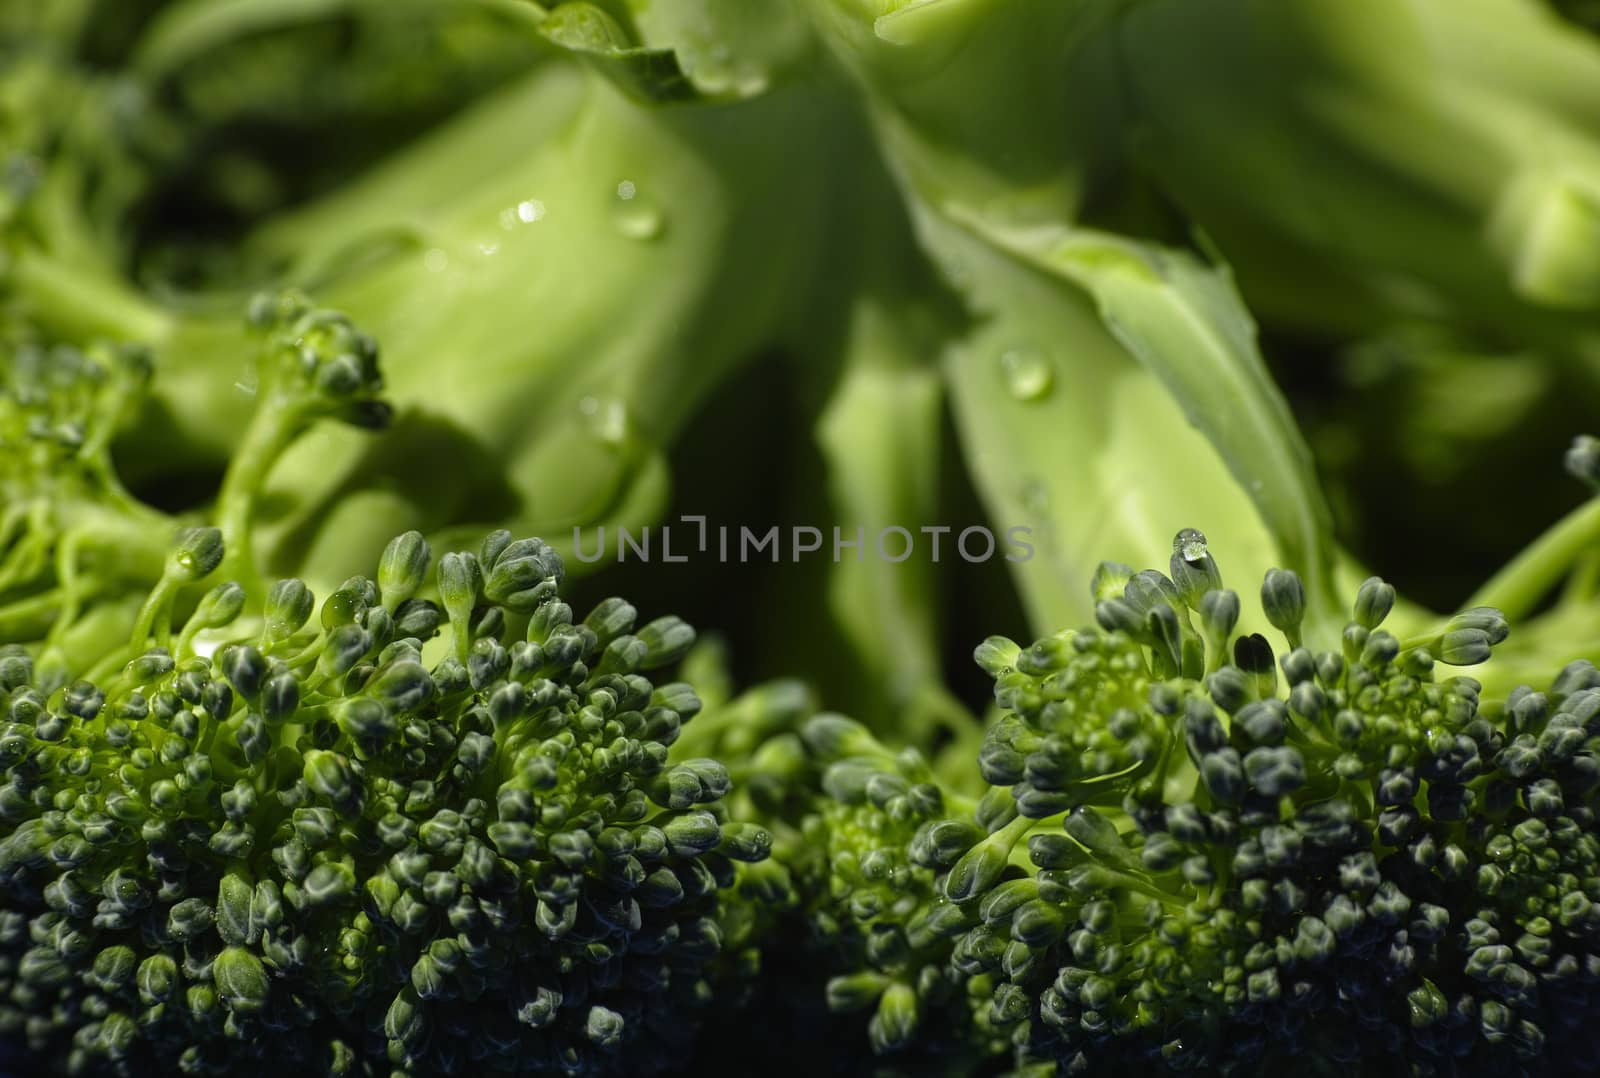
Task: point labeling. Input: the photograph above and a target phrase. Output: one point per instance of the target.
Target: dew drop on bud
(1190, 543)
(634, 214)
(1027, 373)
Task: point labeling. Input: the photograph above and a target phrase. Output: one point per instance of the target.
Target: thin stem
(65, 296)
(271, 430)
(155, 616)
(1516, 589)
(1584, 581)
(67, 575)
(30, 617)
(29, 556)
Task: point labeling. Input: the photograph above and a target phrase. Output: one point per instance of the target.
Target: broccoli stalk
(708, 235)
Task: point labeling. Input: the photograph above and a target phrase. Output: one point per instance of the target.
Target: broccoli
(333, 844)
(877, 262)
(532, 173)
(1180, 849)
(79, 551)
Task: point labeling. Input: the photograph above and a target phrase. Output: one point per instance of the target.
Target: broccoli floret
(78, 553)
(347, 842)
(1197, 852)
(1318, 854)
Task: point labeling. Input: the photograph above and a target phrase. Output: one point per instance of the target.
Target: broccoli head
(424, 833)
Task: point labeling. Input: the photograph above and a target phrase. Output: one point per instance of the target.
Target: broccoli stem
(84, 304)
(271, 430)
(1518, 588)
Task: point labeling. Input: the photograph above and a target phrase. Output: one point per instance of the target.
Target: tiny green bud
(233, 910)
(417, 618)
(1166, 633)
(345, 647)
(114, 967)
(939, 843)
(1099, 835)
(1253, 655)
(692, 782)
(330, 776)
(1219, 615)
(980, 867)
(666, 640)
(1149, 589)
(997, 655)
(745, 842)
(288, 608)
(856, 991)
(245, 669)
(1464, 647)
(692, 833)
(604, 1027)
(220, 606)
(1486, 619)
(1374, 600)
(1583, 460)
(157, 979)
(1109, 580)
(523, 574)
(1195, 576)
(148, 668)
(1116, 616)
(460, 581)
(1283, 597)
(329, 882)
(403, 568)
(403, 685)
(280, 698)
(241, 980)
(896, 1019)
(196, 553)
(610, 619)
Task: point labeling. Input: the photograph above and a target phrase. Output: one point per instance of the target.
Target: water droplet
(1035, 498)
(530, 210)
(487, 249)
(752, 85)
(1027, 373)
(608, 418)
(635, 215)
(1191, 543)
(435, 260)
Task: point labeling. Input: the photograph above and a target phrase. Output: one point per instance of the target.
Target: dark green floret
(402, 835)
(1198, 852)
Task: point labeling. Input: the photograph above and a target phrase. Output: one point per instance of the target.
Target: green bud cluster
(876, 906)
(1199, 853)
(81, 559)
(316, 361)
(63, 506)
(1259, 857)
(862, 835)
(386, 834)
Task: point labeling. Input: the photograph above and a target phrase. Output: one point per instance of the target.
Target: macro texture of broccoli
(324, 846)
(282, 281)
(1196, 853)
